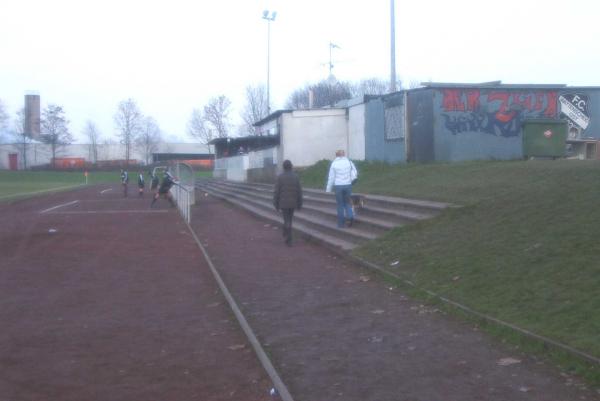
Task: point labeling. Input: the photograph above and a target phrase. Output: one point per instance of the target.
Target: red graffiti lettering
(539, 101)
(552, 105)
(473, 100)
(523, 100)
(452, 100)
(503, 114)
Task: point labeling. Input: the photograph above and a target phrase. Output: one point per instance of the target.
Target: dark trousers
(288, 215)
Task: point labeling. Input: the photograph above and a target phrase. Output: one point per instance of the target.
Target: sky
(173, 56)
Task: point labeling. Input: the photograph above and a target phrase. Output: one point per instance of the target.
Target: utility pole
(393, 47)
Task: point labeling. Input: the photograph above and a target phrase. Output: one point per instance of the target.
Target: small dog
(357, 202)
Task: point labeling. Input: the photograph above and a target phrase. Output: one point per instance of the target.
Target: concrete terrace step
(313, 234)
(317, 219)
(422, 207)
(396, 210)
(355, 234)
(323, 210)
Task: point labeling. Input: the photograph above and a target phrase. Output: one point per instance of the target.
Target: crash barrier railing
(183, 198)
(184, 189)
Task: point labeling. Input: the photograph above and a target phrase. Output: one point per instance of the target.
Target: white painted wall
(356, 132)
(308, 136)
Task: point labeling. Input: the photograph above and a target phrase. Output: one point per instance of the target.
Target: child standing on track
(141, 183)
(165, 186)
(124, 181)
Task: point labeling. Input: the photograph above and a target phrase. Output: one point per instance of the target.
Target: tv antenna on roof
(331, 47)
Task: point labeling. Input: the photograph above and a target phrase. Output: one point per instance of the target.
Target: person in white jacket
(342, 173)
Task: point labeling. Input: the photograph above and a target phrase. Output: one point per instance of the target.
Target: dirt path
(334, 332)
(117, 304)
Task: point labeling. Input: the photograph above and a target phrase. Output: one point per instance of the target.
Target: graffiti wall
(486, 123)
(494, 112)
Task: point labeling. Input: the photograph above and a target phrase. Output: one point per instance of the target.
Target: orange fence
(65, 163)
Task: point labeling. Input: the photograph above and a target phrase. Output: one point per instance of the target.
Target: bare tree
(216, 115)
(371, 86)
(198, 128)
(413, 84)
(149, 137)
(255, 110)
(20, 137)
(55, 131)
(90, 130)
(3, 117)
(325, 93)
(3, 122)
(128, 120)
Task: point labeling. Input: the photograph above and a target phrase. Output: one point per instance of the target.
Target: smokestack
(32, 115)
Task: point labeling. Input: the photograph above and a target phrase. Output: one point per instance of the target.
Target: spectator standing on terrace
(124, 181)
(287, 197)
(342, 174)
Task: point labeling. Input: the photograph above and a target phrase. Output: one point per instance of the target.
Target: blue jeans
(342, 198)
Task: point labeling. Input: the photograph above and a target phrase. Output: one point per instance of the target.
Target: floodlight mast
(269, 18)
(392, 46)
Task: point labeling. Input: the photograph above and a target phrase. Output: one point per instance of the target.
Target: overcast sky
(173, 56)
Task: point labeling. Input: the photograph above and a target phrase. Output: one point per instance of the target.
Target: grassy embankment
(524, 248)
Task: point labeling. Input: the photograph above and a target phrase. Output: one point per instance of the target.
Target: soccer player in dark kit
(165, 186)
(154, 183)
(141, 184)
(124, 181)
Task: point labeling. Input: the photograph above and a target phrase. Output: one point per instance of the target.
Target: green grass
(23, 184)
(203, 174)
(524, 248)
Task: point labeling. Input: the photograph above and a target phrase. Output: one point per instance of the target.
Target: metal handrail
(183, 199)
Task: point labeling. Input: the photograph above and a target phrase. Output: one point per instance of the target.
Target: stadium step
(318, 218)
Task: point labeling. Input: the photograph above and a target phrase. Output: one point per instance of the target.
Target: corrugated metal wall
(420, 126)
(470, 122)
(385, 129)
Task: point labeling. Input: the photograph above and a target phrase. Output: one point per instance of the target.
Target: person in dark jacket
(154, 183)
(165, 186)
(287, 197)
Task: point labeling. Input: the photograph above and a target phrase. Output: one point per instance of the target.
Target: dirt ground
(117, 303)
(336, 332)
(102, 298)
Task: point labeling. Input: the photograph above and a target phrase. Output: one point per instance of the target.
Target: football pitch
(23, 184)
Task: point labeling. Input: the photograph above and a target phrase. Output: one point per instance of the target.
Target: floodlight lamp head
(265, 14)
(273, 15)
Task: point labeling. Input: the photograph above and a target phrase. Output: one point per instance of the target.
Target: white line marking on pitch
(56, 207)
(112, 211)
(38, 192)
(106, 190)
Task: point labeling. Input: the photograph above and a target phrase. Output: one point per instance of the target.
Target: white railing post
(182, 199)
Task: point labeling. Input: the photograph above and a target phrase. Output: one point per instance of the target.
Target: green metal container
(544, 138)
